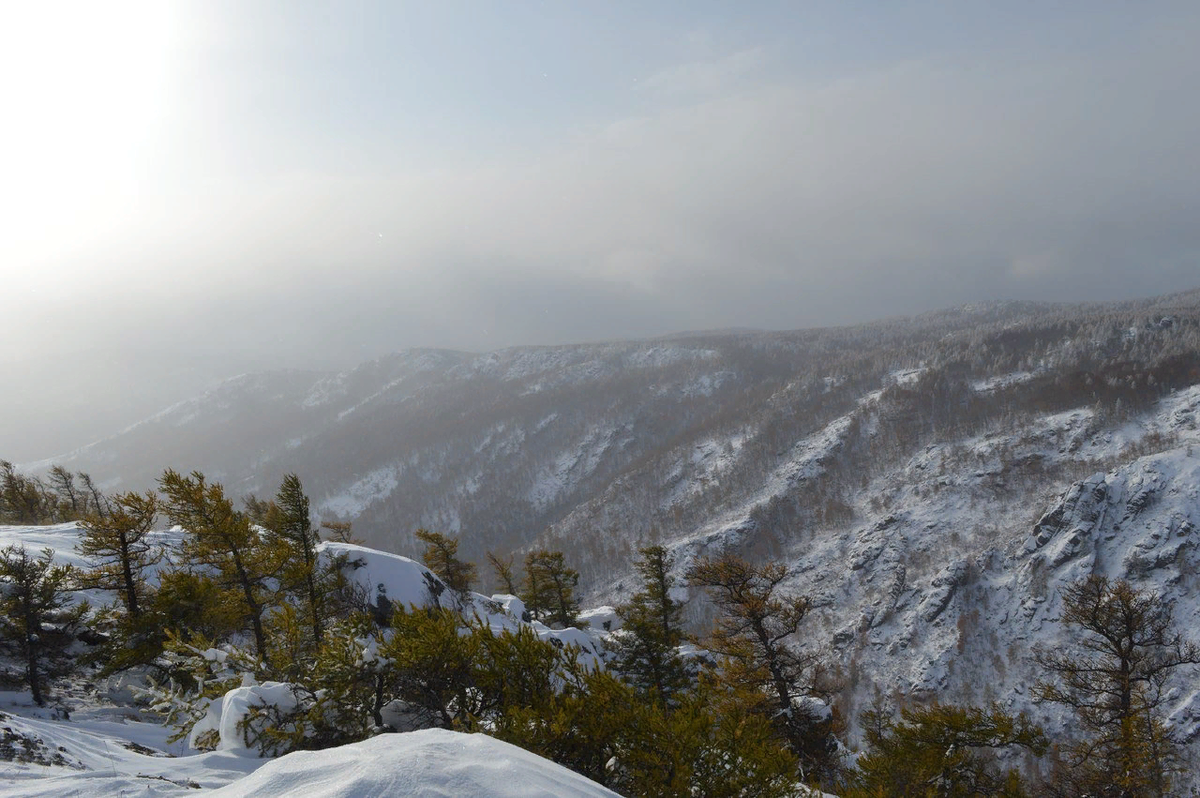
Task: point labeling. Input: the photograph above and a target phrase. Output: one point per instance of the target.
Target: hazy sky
(319, 182)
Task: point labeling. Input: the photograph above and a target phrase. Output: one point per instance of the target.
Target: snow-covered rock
(434, 762)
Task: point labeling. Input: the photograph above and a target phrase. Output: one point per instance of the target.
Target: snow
(406, 583)
(61, 540)
(402, 580)
(570, 467)
(106, 750)
(235, 709)
(433, 763)
(119, 757)
(107, 754)
(601, 618)
(372, 487)
(1001, 382)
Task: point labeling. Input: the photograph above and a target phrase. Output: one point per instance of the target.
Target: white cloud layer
(739, 195)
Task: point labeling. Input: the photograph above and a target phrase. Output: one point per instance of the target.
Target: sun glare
(83, 88)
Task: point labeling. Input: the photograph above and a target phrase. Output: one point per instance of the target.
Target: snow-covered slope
(953, 573)
(606, 444)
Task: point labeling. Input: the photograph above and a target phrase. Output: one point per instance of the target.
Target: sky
(195, 189)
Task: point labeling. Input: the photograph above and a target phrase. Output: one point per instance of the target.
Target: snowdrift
(434, 762)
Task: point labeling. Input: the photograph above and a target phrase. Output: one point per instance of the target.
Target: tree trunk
(131, 604)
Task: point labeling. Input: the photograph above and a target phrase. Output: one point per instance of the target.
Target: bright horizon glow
(86, 87)
(211, 178)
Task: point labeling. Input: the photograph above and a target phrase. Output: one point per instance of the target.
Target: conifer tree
(99, 502)
(441, 557)
(36, 615)
(222, 539)
(192, 606)
(340, 532)
(1114, 679)
(23, 500)
(941, 750)
(504, 572)
(73, 503)
(289, 526)
(549, 588)
(120, 553)
(647, 653)
(752, 636)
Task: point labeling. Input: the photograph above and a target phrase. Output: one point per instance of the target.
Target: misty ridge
(623, 440)
(773, 399)
(924, 499)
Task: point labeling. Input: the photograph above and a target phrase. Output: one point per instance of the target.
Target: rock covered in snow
(434, 762)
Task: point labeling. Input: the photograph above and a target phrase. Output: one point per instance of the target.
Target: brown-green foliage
(290, 533)
(1114, 679)
(37, 618)
(72, 502)
(340, 532)
(24, 500)
(754, 636)
(29, 500)
(120, 553)
(504, 572)
(941, 751)
(193, 605)
(221, 543)
(441, 556)
(549, 588)
(708, 744)
(434, 664)
(646, 648)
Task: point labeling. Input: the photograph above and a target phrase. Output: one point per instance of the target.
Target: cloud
(733, 200)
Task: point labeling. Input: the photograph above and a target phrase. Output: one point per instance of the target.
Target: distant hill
(932, 481)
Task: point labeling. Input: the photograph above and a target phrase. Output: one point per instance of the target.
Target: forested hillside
(608, 444)
(934, 485)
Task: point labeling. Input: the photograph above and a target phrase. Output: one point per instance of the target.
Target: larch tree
(549, 588)
(73, 503)
(503, 569)
(99, 502)
(1114, 679)
(117, 546)
(441, 557)
(754, 636)
(941, 750)
(222, 540)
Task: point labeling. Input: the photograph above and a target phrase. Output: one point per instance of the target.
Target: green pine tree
(549, 588)
(37, 618)
(290, 530)
(647, 654)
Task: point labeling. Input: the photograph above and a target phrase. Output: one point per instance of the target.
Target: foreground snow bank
(433, 762)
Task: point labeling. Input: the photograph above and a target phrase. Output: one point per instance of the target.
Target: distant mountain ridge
(932, 482)
(506, 446)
